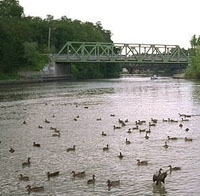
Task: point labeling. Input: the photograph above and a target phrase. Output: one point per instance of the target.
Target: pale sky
(130, 21)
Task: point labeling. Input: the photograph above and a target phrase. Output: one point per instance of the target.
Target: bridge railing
(118, 52)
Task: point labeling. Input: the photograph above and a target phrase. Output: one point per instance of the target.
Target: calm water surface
(81, 111)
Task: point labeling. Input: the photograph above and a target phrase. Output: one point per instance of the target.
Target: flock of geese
(158, 178)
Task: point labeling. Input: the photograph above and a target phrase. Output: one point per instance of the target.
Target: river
(81, 110)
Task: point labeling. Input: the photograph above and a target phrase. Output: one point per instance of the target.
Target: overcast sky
(130, 21)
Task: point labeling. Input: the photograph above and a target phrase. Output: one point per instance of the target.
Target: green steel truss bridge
(120, 53)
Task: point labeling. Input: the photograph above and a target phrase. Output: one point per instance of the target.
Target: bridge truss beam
(120, 52)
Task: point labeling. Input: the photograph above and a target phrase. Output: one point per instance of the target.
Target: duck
(160, 177)
(129, 131)
(187, 139)
(26, 163)
(23, 178)
(79, 174)
(166, 145)
(53, 174)
(120, 155)
(71, 149)
(103, 133)
(105, 148)
(34, 189)
(165, 120)
(142, 162)
(113, 115)
(11, 150)
(98, 119)
(174, 168)
(91, 181)
(127, 141)
(36, 144)
(171, 138)
(40, 126)
(113, 183)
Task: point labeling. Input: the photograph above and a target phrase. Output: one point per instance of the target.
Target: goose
(142, 130)
(148, 131)
(173, 168)
(146, 136)
(127, 141)
(46, 121)
(165, 120)
(91, 181)
(154, 120)
(24, 122)
(152, 124)
(160, 177)
(187, 139)
(56, 134)
(79, 174)
(36, 144)
(113, 115)
(40, 127)
(183, 119)
(171, 138)
(180, 125)
(166, 145)
(71, 149)
(105, 148)
(53, 128)
(116, 127)
(53, 174)
(120, 155)
(98, 119)
(11, 150)
(24, 178)
(34, 189)
(129, 131)
(187, 129)
(135, 128)
(26, 163)
(103, 134)
(113, 183)
(142, 162)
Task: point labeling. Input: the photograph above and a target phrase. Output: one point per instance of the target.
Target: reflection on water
(80, 111)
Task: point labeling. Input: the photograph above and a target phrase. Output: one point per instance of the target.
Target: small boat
(154, 77)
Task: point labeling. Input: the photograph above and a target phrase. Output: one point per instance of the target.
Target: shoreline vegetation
(25, 43)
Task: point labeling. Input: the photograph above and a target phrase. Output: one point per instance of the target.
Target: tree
(10, 9)
(193, 70)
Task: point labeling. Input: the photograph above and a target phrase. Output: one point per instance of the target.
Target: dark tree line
(24, 41)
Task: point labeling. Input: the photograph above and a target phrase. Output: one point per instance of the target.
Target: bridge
(126, 54)
(120, 53)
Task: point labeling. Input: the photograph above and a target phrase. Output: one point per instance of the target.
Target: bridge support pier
(57, 71)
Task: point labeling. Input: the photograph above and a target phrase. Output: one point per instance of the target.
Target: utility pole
(49, 39)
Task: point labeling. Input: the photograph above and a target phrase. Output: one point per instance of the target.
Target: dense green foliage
(24, 41)
(193, 70)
